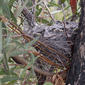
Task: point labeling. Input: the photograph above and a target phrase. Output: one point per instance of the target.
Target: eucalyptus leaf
(5, 8)
(9, 78)
(31, 43)
(38, 10)
(62, 1)
(11, 3)
(23, 73)
(0, 41)
(20, 8)
(52, 4)
(17, 52)
(48, 83)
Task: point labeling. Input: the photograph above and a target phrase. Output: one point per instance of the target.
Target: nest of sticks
(54, 44)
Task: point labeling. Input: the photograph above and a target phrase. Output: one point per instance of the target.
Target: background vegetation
(46, 12)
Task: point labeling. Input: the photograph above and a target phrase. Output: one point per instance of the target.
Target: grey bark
(76, 75)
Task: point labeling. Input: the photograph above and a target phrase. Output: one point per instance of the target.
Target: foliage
(13, 45)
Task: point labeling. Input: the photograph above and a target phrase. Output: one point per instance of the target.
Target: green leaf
(13, 17)
(48, 83)
(9, 78)
(5, 61)
(29, 3)
(20, 8)
(30, 43)
(0, 41)
(10, 6)
(33, 58)
(43, 20)
(11, 3)
(17, 52)
(52, 4)
(1, 1)
(38, 10)
(62, 1)
(2, 72)
(5, 8)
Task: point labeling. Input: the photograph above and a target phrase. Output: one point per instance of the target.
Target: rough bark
(76, 75)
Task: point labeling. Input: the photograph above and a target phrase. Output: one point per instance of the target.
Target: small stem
(49, 11)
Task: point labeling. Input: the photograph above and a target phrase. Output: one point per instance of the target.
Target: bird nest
(54, 45)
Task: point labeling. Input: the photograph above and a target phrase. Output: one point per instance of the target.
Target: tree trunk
(76, 75)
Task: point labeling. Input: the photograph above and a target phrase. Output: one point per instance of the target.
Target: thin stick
(48, 11)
